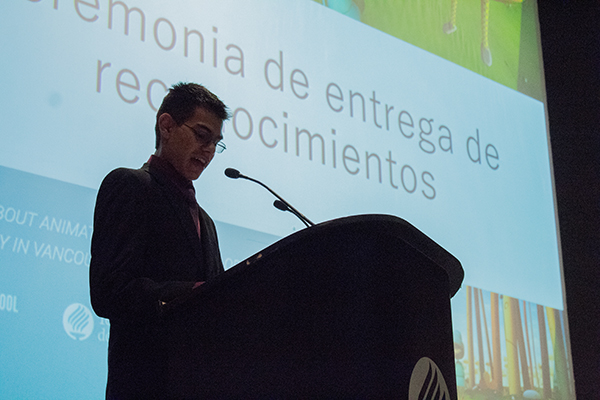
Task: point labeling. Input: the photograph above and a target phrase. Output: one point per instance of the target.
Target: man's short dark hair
(182, 101)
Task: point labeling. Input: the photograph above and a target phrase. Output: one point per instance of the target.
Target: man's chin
(195, 175)
(195, 171)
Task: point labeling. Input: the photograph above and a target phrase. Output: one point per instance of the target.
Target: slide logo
(78, 321)
(427, 382)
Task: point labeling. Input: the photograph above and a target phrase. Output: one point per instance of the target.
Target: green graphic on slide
(497, 39)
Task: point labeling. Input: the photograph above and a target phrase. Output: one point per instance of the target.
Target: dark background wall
(570, 33)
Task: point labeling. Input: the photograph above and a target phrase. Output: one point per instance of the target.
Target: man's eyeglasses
(206, 139)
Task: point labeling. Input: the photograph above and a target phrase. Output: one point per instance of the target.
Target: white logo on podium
(427, 382)
(78, 321)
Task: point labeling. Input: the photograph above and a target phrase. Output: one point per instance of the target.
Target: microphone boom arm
(290, 208)
(235, 174)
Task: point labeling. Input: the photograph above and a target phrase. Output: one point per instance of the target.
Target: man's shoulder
(125, 182)
(127, 176)
(126, 173)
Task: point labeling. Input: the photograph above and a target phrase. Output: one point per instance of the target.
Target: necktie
(191, 198)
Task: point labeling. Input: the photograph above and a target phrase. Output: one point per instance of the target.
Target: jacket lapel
(181, 209)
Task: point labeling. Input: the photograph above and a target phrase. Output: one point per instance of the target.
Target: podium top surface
(369, 224)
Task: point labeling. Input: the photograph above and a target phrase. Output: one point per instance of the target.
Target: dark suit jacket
(145, 251)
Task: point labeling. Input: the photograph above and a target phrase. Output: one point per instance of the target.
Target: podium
(353, 308)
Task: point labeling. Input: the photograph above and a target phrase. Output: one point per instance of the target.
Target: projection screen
(431, 110)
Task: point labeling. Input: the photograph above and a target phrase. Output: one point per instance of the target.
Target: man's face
(190, 147)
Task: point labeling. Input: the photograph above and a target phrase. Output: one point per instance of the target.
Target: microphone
(232, 173)
(280, 204)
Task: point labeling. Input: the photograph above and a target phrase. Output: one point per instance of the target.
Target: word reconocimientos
(290, 138)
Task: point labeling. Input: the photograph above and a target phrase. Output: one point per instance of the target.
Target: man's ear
(166, 124)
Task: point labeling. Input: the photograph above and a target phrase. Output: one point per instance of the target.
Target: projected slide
(432, 111)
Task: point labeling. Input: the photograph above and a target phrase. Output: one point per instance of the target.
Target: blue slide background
(78, 99)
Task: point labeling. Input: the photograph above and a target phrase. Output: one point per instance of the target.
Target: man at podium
(152, 242)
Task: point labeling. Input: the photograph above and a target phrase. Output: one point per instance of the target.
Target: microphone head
(232, 173)
(281, 205)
